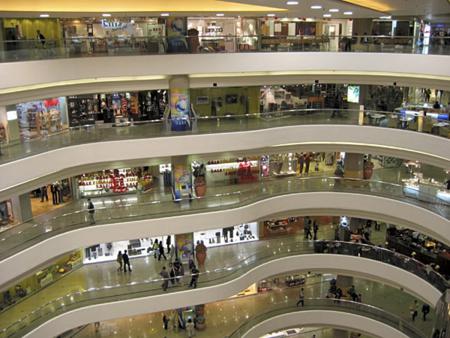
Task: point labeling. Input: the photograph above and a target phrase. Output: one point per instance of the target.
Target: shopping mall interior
(225, 169)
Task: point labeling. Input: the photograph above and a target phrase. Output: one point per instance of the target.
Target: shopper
(307, 229)
(307, 163)
(301, 298)
(172, 252)
(40, 37)
(91, 211)
(44, 193)
(190, 328)
(425, 311)
(301, 162)
(59, 193)
(194, 278)
(120, 261)
(315, 229)
(165, 320)
(200, 253)
(126, 261)
(413, 310)
(172, 274)
(352, 293)
(155, 248)
(168, 242)
(165, 276)
(178, 268)
(161, 251)
(53, 191)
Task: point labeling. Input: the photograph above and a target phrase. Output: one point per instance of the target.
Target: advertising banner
(180, 108)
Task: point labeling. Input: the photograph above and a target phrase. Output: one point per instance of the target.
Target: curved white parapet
(403, 144)
(316, 203)
(123, 73)
(325, 318)
(346, 265)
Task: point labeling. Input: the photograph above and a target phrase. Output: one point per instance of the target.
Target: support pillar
(181, 178)
(21, 206)
(180, 105)
(354, 166)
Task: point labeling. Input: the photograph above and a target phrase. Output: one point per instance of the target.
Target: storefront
(116, 108)
(116, 181)
(226, 34)
(42, 118)
(234, 171)
(50, 197)
(106, 252)
(6, 215)
(426, 189)
(247, 232)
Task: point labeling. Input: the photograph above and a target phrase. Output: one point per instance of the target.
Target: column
(21, 206)
(181, 178)
(180, 106)
(354, 165)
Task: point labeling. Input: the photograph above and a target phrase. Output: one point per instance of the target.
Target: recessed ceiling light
(44, 15)
(348, 13)
(316, 7)
(290, 3)
(386, 17)
(220, 14)
(327, 15)
(165, 14)
(106, 15)
(271, 15)
(334, 10)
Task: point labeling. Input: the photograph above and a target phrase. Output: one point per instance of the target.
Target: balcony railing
(274, 249)
(22, 50)
(227, 123)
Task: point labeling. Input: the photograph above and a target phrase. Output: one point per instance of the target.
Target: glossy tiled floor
(222, 318)
(385, 182)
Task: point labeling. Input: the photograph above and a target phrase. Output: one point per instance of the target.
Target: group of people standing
(124, 261)
(308, 225)
(56, 190)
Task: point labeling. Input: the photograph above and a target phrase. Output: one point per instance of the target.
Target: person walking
(165, 320)
(126, 261)
(301, 162)
(301, 298)
(190, 328)
(165, 276)
(161, 251)
(120, 261)
(315, 229)
(425, 311)
(172, 274)
(168, 242)
(40, 37)
(413, 310)
(91, 211)
(307, 229)
(53, 191)
(172, 252)
(194, 278)
(155, 248)
(307, 163)
(44, 193)
(178, 269)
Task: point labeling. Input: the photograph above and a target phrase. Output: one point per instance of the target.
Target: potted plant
(200, 180)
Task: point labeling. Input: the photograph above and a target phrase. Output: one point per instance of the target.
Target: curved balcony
(310, 130)
(50, 317)
(325, 312)
(29, 244)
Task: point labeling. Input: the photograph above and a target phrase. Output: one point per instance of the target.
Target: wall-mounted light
(44, 15)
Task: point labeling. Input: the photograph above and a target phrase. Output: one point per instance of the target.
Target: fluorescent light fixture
(165, 14)
(271, 15)
(316, 7)
(327, 15)
(44, 15)
(11, 115)
(348, 13)
(220, 14)
(106, 15)
(291, 3)
(309, 19)
(334, 10)
(386, 17)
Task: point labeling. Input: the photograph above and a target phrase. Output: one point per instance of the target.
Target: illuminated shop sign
(113, 24)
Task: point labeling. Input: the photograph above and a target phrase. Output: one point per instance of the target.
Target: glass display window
(241, 233)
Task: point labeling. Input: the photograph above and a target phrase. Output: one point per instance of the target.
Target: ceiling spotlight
(316, 7)
(271, 15)
(44, 15)
(106, 15)
(386, 17)
(327, 15)
(165, 14)
(290, 3)
(348, 13)
(334, 10)
(220, 14)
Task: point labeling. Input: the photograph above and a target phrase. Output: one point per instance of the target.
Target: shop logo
(113, 24)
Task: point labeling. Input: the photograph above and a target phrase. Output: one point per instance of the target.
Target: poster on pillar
(180, 109)
(181, 182)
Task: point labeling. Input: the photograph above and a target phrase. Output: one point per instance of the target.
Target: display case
(246, 232)
(428, 190)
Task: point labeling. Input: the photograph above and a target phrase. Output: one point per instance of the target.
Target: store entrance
(50, 197)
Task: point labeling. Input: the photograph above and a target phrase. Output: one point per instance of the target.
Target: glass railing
(347, 306)
(222, 124)
(274, 249)
(22, 50)
(27, 234)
